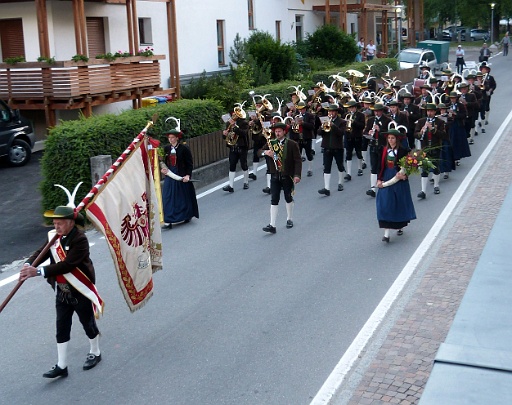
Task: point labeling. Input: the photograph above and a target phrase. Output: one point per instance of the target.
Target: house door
(95, 36)
(11, 38)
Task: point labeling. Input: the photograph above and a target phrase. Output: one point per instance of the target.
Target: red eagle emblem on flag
(135, 226)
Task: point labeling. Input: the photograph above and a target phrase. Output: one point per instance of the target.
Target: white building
(198, 33)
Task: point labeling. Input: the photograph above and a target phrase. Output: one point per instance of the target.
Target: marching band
(443, 119)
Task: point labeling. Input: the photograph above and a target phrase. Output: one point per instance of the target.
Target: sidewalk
(396, 369)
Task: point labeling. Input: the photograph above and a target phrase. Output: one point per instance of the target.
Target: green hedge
(71, 144)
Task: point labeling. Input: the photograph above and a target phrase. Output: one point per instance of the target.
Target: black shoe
(364, 165)
(168, 226)
(480, 124)
(289, 223)
(313, 152)
(422, 195)
(246, 186)
(483, 130)
(486, 122)
(476, 133)
(446, 177)
(436, 190)
(385, 239)
(310, 173)
(324, 191)
(457, 163)
(55, 372)
(400, 232)
(303, 159)
(371, 192)
(228, 188)
(471, 142)
(431, 180)
(266, 190)
(360, 172)
(91, 361)
(340, 187)
(348, 177)
(252, 176)
(269, 228)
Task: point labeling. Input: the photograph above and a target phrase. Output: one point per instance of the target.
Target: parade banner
(126, 210)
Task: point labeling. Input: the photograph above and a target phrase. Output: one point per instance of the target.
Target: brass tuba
(238, 112)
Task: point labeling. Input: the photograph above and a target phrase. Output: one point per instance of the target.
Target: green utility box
(440, 48)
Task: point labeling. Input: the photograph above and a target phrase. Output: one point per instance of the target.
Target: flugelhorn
(348, 118)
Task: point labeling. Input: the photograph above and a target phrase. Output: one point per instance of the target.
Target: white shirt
(371, 49)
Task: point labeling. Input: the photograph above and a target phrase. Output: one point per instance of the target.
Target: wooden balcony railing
(33, 81)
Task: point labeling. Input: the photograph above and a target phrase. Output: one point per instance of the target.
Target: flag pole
(101, 182)
(84, 202)
(35, 263)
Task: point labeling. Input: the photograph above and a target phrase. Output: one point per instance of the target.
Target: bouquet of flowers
(412, 163)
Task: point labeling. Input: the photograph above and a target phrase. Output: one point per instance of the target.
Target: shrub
(70, 145)
(330, 43)
(280, 57)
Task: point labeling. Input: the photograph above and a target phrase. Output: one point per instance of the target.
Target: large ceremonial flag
(126, 211)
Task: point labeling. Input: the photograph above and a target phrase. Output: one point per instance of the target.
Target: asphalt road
(21, 221)
(238, 316)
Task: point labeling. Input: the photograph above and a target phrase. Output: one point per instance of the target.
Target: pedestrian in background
(460, 63)
(505, 42)
(360, 48)
(485, 53)
(371, 50)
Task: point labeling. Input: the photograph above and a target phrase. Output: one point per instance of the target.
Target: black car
(16, 136)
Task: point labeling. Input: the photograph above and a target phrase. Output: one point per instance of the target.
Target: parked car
(414, 57)
(17, 136)
(478, 34)
(453, 33)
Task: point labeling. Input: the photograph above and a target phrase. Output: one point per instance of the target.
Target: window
(220, 43)
(299, 35)
(352, 28)
(12, 43)
(278, 30)
(95, 36)
(145, 34)
(250, 7)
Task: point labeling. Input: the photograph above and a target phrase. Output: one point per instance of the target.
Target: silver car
(414, 57)
(477, 34)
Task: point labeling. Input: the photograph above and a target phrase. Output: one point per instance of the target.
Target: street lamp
(492, 22)
(398, 10)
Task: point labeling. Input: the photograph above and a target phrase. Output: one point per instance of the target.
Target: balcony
(73, 85)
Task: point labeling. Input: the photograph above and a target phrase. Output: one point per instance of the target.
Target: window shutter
(95, 36)
(11, 36)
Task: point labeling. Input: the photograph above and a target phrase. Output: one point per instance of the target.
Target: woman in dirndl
(395, 208)
(178, 194)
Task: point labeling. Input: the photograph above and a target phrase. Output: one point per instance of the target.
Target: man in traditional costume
(285, 172)
(71, 275)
